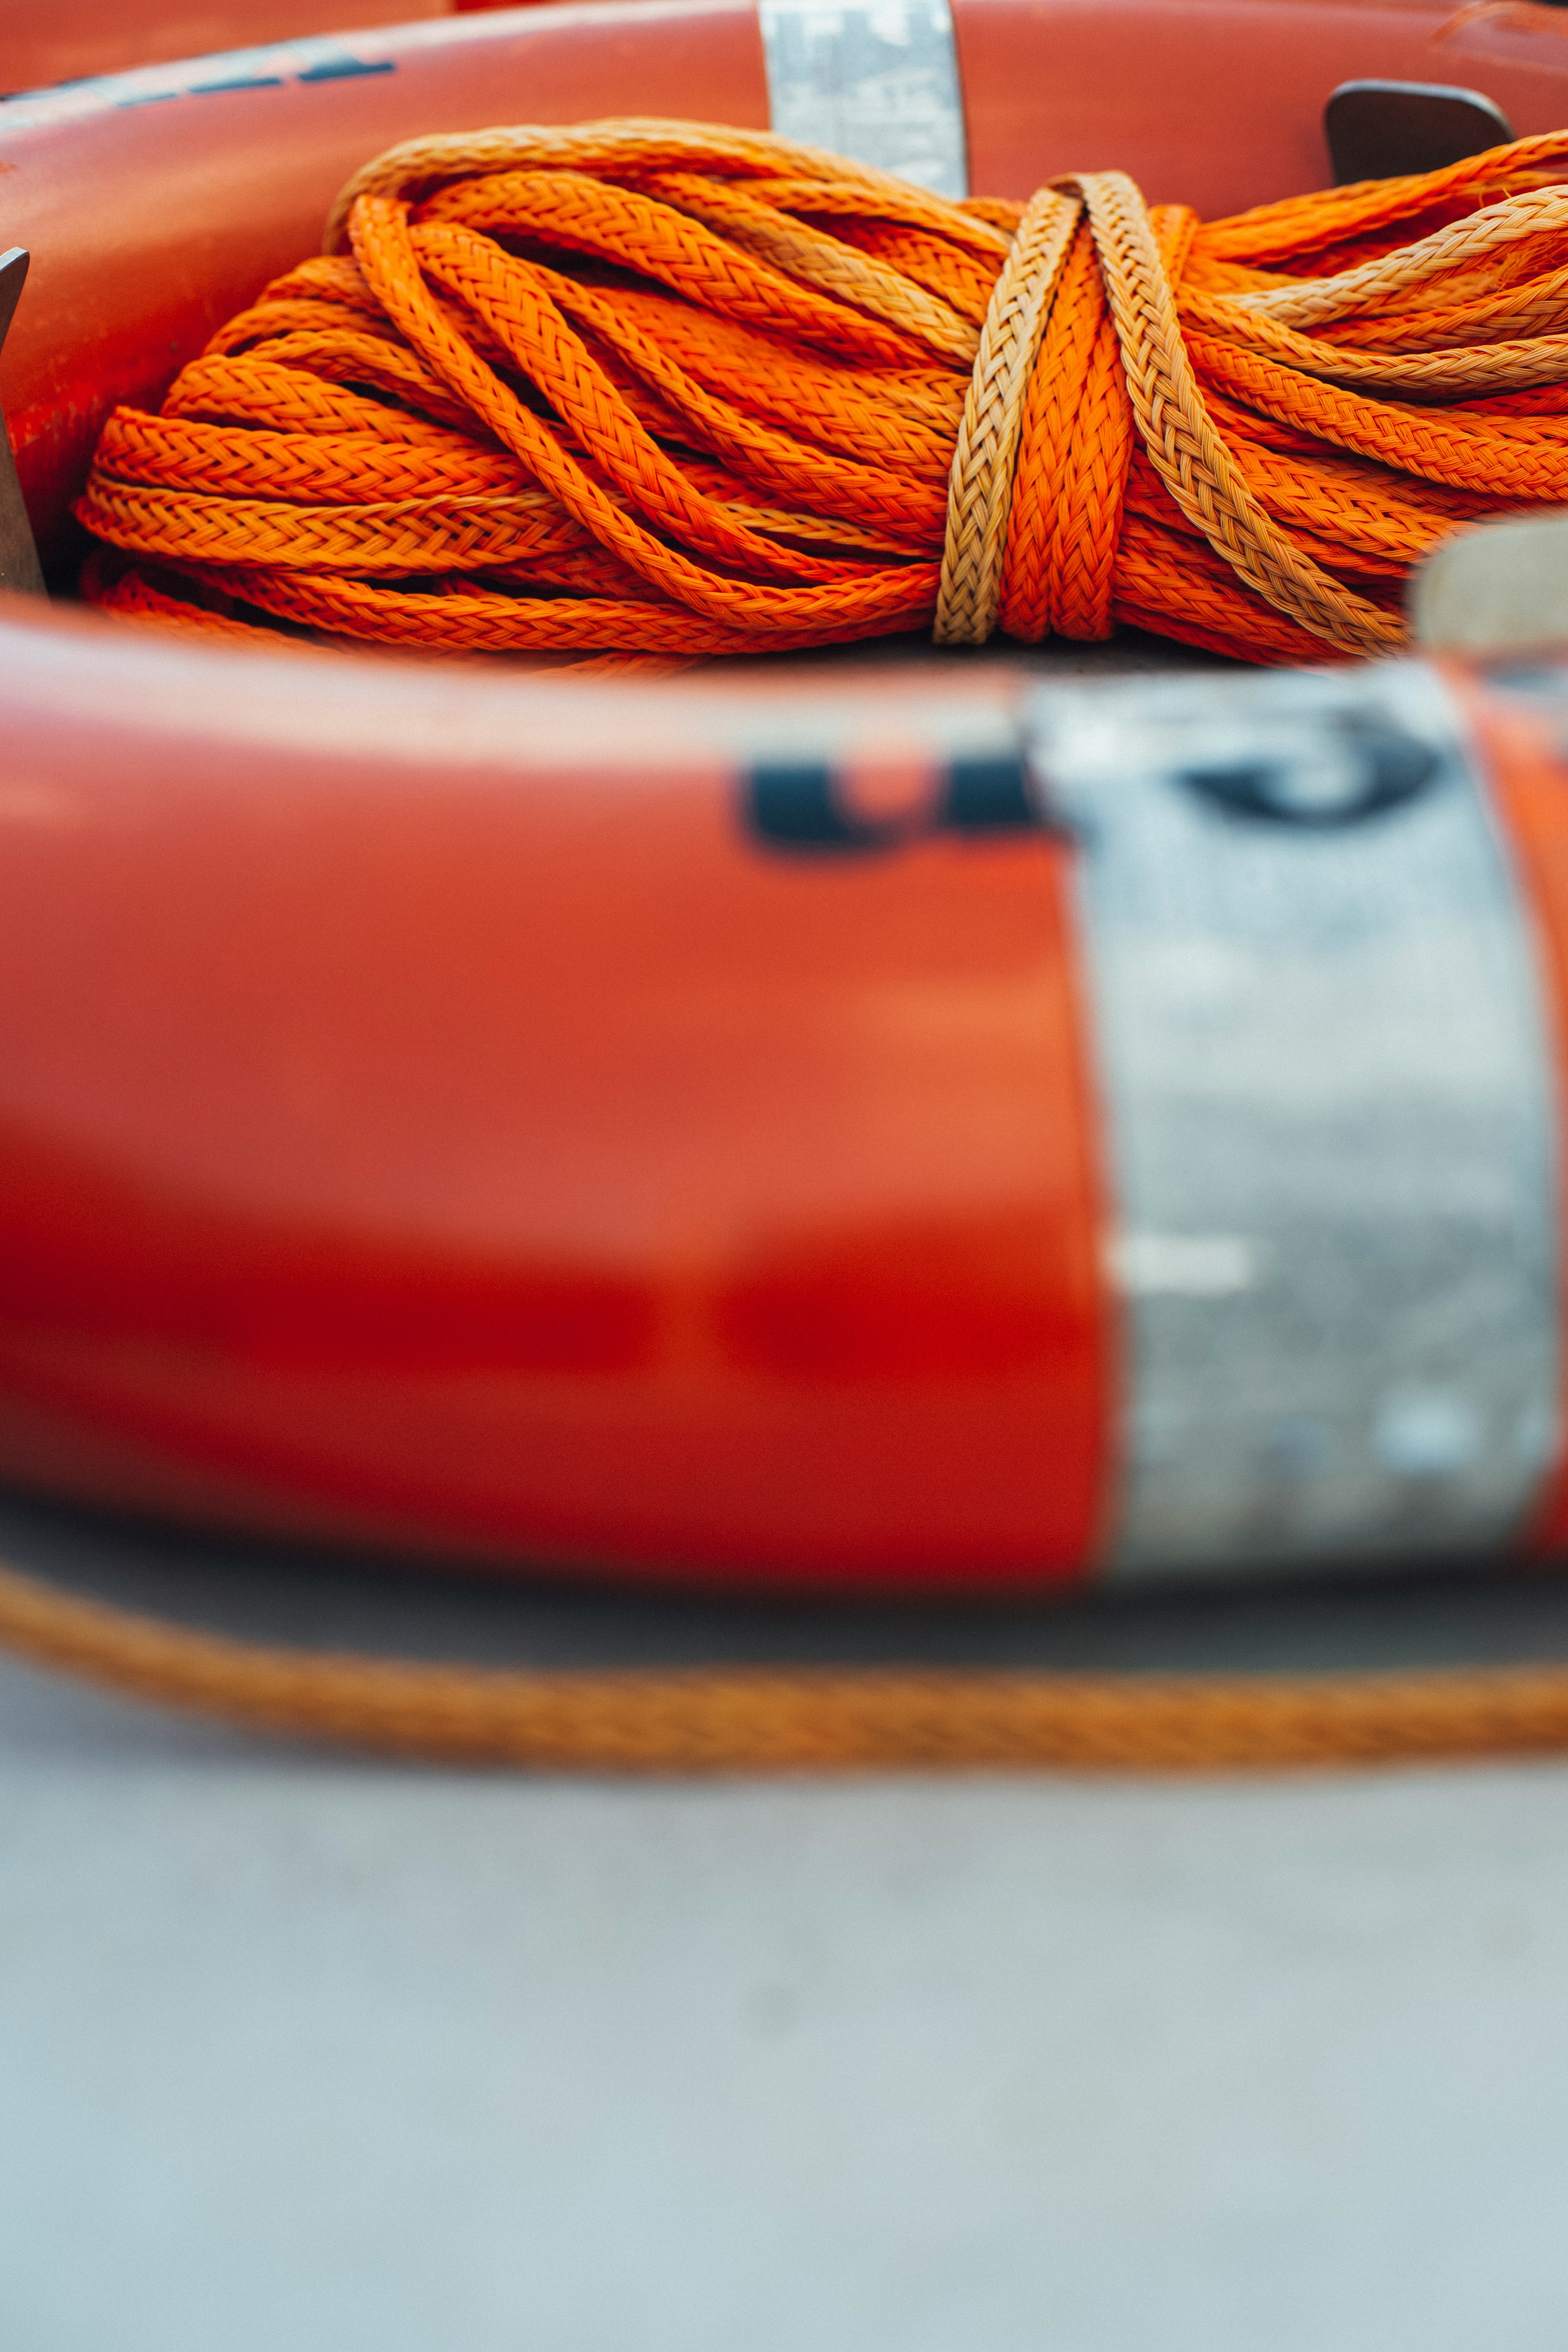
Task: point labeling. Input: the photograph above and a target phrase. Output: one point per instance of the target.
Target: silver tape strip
(1326, 1074)
(878, 84)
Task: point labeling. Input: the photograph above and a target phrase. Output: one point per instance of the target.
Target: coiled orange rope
(654, 389)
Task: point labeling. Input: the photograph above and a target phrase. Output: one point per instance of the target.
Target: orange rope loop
(652, 389)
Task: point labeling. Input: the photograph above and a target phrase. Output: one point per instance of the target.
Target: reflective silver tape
(1327, 1086)
(878, 83)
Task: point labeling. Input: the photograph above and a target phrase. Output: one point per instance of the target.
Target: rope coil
(655, 391)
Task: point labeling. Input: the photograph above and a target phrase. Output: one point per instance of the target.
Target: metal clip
(1381, 130)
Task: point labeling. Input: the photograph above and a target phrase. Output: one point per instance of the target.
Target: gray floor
(310, 2052)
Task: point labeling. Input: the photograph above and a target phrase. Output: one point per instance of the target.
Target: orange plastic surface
(133, 268)
(1524, 739)
(1219, 103)
(69, 39)
(426, 1112)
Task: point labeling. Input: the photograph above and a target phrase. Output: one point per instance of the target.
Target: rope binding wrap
(651, 391)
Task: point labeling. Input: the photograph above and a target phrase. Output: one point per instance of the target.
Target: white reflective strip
(878, 84)
(1326, 1082)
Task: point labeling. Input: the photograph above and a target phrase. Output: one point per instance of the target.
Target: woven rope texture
(813, 1719)
(654, 391)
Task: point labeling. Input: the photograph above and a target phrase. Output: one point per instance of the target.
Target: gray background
(299, 2051)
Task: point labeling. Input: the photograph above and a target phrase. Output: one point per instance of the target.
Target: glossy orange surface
(156, 206)
(71, 39)
(1521, 729)
(427, 1111)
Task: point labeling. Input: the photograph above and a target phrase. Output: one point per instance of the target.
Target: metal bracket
(877, 80)
(1381, 130)
(20, 566)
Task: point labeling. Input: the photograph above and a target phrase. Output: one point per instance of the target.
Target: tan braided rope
(1536, 212)
(1171, 417)
(780, 1721)
(980, 487)
(1495, 367)
(1187, 453)
(635, 142)
(821, 261)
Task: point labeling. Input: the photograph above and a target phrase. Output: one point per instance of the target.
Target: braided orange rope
(794, 1719)
(652, 389)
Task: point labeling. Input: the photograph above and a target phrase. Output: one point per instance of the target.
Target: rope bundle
(650, 390)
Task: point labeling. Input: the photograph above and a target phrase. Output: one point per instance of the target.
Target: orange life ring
(665, 1126)
(76, 38)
